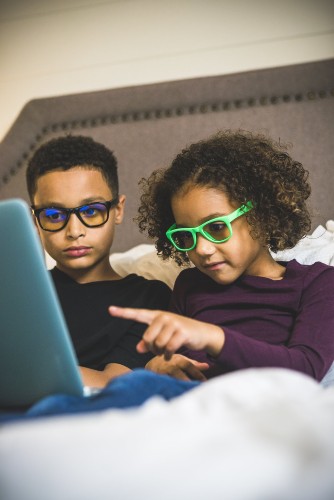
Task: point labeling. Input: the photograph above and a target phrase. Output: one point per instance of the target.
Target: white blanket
(259, 434)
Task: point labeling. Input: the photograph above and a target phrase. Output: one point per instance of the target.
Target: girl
(224, 204)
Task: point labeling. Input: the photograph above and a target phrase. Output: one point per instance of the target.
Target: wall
(55, 47)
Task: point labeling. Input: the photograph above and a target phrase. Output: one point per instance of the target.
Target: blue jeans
(127, 391)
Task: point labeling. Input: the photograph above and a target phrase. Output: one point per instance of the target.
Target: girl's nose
(75, 228)
(204, 246)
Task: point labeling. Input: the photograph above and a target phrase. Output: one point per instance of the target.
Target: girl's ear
(119, 209)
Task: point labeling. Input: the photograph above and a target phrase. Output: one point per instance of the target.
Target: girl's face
(223, 262)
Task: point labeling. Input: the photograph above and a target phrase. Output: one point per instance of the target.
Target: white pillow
(316, 247)
(144, 261)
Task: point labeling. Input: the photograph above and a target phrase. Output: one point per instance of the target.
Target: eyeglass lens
(183, 239)
(217, 230)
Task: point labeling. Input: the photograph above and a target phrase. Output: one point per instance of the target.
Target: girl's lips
(214, 266)
(77, 251)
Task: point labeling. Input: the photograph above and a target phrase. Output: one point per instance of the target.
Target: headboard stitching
(161, 114)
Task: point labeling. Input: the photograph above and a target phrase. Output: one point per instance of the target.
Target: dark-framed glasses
(91, 215)
(217, 230)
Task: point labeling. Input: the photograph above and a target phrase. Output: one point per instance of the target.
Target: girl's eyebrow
(203, 220)
(211, 216)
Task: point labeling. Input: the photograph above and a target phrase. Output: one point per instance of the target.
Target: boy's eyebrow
(85, 201)
(93, 199)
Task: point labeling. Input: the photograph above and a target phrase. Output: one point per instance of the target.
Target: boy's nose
(204, 246)
(75, 228)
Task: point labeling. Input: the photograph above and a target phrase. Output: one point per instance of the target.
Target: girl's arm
(168, 332)
(309, 344)
(309, 349)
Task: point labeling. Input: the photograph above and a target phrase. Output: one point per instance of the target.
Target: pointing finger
(141, 315)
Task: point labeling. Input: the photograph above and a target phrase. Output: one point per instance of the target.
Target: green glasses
(91, 215)
(217, 230)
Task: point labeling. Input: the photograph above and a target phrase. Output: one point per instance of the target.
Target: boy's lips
(77, 251)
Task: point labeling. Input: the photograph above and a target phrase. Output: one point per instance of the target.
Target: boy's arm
(97, 378)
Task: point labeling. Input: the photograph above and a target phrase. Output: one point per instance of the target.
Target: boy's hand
(179, 367)
(100, 378)
(167, 332)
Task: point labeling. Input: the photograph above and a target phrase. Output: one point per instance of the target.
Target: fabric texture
(286, 323)
(97, 337)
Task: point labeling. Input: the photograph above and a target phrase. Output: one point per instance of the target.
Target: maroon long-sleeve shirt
(286, 323)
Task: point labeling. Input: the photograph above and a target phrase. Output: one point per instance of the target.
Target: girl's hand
(179, 367)
(167, 332)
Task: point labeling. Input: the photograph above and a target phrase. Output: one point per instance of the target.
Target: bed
(250, 435)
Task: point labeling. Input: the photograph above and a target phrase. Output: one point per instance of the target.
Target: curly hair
(245, 166)
(64, 153)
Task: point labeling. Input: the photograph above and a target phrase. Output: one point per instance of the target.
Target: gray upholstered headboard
(147, 125)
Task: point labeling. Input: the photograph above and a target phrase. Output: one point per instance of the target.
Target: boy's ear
(37, 228)
(119, 209)
(34, 219)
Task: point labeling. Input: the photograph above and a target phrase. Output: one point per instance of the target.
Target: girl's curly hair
(245, 166)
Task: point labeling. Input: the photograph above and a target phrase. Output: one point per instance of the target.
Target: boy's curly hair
(245, 166)
(64, 153)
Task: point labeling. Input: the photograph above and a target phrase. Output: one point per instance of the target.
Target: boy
(73, 187)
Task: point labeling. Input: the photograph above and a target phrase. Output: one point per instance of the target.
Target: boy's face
(81, 252)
